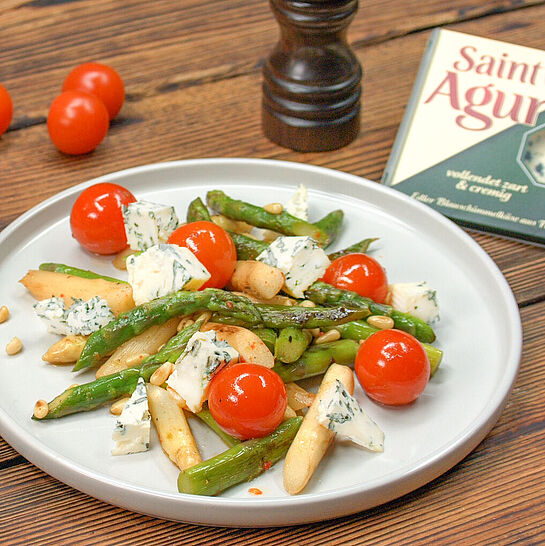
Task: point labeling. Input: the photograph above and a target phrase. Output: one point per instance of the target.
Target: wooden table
(192, 70)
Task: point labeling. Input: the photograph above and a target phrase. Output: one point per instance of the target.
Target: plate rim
(428, 467)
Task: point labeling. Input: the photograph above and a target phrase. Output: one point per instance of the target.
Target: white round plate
(479, 331)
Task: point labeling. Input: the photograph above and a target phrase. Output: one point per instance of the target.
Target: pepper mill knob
(312, 79)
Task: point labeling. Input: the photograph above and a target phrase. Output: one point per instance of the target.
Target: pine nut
(14, 346)
(204, 316)
(274, 208)
(184, 323)
(120, 261)
(381, 322)
(315, 332)
(41, 409)
(289, 414)
(161, 374)
(117, 407)
(307, 303)
(331, 335)
(4, 314)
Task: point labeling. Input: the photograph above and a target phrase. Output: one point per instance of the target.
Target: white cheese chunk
(81, 318)
(416, 298)
(132, 428)
(86, 317)
(148, 224)
(164, 269)
(52, 311)
(298, 204)
(300, 259)
(340, 412)
(203, 356)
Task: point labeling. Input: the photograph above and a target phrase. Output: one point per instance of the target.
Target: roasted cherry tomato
(99, 80)
(392, 367)
(77, 122)
(247, 400)
(6, 109)
(96, 218)
(359, 273)
(213, 248)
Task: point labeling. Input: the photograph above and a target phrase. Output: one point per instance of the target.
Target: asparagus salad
(219, 318)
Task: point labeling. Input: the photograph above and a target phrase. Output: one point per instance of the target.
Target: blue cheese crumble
(148, 224)
(340, 412)
(416, 298)
(300, 259)
(132, 428)
(81, 318)
(298, 204)
(162, 270)
(201, 359)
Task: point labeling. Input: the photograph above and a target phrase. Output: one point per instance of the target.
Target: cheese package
(472, 141)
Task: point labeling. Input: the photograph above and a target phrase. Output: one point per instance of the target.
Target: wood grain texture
(192, 72)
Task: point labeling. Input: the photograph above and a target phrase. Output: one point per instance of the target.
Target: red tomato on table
(213, 248)
(99, 80)
(247, 400)
(96, 218)
(359, 273)
(77, 122)
(392, 367)
(6, 109)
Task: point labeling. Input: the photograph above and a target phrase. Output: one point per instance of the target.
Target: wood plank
(42, 43)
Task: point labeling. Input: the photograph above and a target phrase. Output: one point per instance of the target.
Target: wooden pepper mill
(312, 80)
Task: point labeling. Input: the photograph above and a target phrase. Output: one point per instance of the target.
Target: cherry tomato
(6, 109)
(77, 122)
(359, 273)
(99, 80)
(96, 218)
(247, 400)
(213, 248)
(392, 367)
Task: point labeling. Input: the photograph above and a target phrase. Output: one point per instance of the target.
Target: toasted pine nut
(184, 323)
(307, 303)
(361, 341)
(269, 236)
(120, 261)
(161, 374)
(73, 385)
(381, 322)
(289, 414)
(331, 335)
(41, 409)
(204, 316)
(4, 314)
(274, 208)
(117, 407)
(14, 346)
(315, 332)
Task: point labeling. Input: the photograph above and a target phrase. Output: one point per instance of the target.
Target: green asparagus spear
(325, 294)
(360, 247)
(267, 335)
(282, 316)
(76, 272)
(175, 346)
(291, 344)
(229, 308)
(240, 463)
(247, 247)
(206, 417)
(158, 311)
(197, 211)
(89, 396)
(257, 216)
(331, 224)
(359, 329)
(317, 359)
